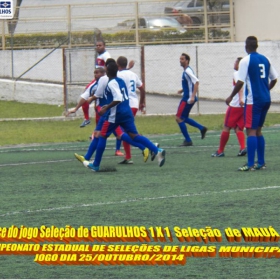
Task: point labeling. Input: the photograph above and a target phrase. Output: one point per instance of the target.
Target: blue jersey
(188, 81)
(116, 91)
(255, 71)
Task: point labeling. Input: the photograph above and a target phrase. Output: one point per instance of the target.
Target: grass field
(45, 184)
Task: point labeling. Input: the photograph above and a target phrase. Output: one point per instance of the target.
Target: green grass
(27, 132)
(45, 184)
(13, 109)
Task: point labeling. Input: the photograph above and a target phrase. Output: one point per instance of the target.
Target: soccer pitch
(46, 185)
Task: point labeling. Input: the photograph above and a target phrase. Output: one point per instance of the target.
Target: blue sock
(125, 137)
(194, 123)
(251, 149)
(260, 149)
(146, 142)
(184, 131)
(91, 148)
(118, 144)
(99, 151)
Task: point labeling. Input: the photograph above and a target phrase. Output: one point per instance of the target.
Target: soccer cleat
(153, 155)
(84, 123)
(246, 168)
(203, 132)
(161, 157)
(126, 161)
(92, 167)
(242, 152)
(119, 153)
(217, 154)
(79, 158)
(145, 153)
(185, 143)
(258, 166)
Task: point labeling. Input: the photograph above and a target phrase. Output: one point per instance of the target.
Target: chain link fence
(59, 74)
(160, 70)
(129, 23)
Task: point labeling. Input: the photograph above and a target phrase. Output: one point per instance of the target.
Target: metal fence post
(3, 35)
(136, 23)
(205, 21)
(196, 61)
(69, 25)
(65, 97)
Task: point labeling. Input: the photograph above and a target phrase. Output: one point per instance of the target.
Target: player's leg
(93, 144)
(131, 130)
(261, 139)
(238, 121)
(223, 141)
(224, 137)
(85, 108)
(182, 113)
(106, 130)
(203, 129)
(252, 117)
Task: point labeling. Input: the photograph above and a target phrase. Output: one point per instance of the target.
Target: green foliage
(40, 40)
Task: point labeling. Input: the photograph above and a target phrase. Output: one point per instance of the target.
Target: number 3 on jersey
(262, 70)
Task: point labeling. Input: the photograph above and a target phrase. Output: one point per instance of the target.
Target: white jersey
(255, 70)
(101, 59)
(100, 90)
(132, 82)
(90, 90)
(235, 100)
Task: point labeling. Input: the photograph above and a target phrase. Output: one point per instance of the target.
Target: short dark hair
(110, 60)
(252, 43)
(112, 69)
(186, 56)
(122, 61)
(100, 69)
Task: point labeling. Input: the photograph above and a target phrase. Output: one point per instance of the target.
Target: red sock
(241, 139)
(85, 108)
(127, 150)
(223, 141)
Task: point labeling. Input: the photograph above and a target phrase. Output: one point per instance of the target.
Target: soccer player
(259, 77)
(189, 90)
(89, 91)
(102, 56)
(132, 82)
(101, 99)
(233, 119)
(118, 113)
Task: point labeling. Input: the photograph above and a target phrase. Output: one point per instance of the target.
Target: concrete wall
(213, 64)
(257, 17)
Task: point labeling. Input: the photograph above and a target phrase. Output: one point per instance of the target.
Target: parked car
(159, 23)
(191, 7)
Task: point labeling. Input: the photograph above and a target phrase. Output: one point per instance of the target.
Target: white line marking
(136, 200)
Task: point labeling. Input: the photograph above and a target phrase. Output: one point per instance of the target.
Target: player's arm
(81, 102)
(180, 91)
(142, 102)
(235, 90)
(272, 84)
(195, 81)
(117, 97)
(242, 74)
